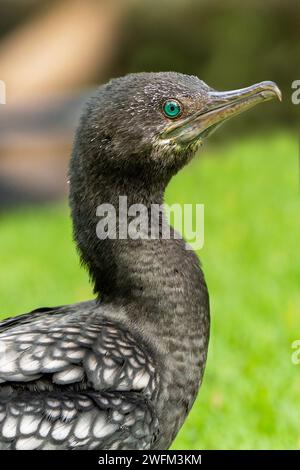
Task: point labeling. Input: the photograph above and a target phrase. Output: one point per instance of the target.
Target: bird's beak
(220, 106)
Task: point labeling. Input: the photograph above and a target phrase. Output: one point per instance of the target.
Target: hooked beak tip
(271, 89)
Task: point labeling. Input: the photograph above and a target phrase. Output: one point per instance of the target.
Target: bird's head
(153, 123)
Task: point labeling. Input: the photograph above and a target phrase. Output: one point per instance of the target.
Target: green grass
(250, 394)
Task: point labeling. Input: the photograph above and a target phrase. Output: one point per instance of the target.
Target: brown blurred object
(64, 46)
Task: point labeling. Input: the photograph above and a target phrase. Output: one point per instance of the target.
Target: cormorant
(121, 371)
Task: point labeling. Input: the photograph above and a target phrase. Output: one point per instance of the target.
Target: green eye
(172, 108)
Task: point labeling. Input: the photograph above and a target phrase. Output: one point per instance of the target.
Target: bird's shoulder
(75, 344)
(73, 378)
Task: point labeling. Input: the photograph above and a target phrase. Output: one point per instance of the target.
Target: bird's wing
(70, 378)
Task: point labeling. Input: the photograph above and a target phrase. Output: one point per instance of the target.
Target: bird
(121, 371)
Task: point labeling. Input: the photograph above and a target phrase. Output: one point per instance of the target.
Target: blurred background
(52, 56)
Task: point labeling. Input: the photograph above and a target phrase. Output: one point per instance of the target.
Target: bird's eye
(172, 108)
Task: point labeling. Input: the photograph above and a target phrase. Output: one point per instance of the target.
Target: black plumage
(121, 371)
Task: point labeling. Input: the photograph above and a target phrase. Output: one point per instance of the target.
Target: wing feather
(72, 378)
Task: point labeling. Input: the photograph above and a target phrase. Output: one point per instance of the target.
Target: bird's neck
(123, 267)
